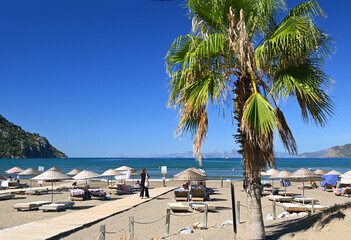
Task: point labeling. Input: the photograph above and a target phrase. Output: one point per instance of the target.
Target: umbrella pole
(52, 191)
(285, 189)
(303, 193)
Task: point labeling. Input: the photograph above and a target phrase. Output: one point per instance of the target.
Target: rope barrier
(118, 230)
(151, 221)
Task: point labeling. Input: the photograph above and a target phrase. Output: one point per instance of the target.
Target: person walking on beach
(144, 183)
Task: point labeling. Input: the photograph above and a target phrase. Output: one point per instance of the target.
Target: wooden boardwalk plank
(48, 228)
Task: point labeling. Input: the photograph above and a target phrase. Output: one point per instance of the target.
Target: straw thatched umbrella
(199, 171)
(126, 168)
(270, 172)
(320, 171)
(57, 170)
(29, 172)
(111, 172)
(303, 175)
(86, 175)
(333, 172)
(282, 175)
(74, 172)
(52, 175)
(14, 170)
(348, 173)
(189, 175)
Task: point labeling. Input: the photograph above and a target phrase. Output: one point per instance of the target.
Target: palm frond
(259, 114)
(285, 133)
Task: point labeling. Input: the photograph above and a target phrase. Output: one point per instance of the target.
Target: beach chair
(278, 198)
(347, 192)
(293, 207)
(13, 184)
(181, 195)
(56, 206)
(29, 206)
(97, 194)
(306, 186)
(305, 200)
(282, 193)
(328, 187)
(6, 196)
(198, 194)
(201, 206)
(339, 191)
(316, 208)
(178, 207)
(36, 192)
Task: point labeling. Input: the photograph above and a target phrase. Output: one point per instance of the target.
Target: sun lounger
(6, 196)
(29, 206)
(266, 193)
(293, 207)
(328, 187)
(287, 194)
(181, 195)
(198, 195)
(36, 192)
(278, 198)
(201, 206)
(56, 206)
(306, 200)
(316, 207)
(97, 194)
(307, 186)
(178, 207)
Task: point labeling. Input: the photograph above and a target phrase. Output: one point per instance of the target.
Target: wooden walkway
(49, 228)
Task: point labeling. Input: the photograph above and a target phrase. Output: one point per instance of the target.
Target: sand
(285, 228)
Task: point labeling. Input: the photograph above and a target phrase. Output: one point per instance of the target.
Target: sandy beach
(281, 228)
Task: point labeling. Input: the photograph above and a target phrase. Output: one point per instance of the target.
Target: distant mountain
(18, 143)
(333, 152)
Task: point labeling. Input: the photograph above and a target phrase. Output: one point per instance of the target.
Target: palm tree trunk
(252, 165)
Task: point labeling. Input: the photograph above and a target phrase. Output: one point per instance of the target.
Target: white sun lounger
(6, 196)
(278, 198)
(178, 207)
(201, 206)
(316, 207)
(29, 206)
(307, 200)
(293, 207)
(56, 206)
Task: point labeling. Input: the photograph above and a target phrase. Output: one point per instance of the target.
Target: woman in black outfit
(143, 177)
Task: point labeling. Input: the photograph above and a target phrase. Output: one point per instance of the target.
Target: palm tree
(258, 54)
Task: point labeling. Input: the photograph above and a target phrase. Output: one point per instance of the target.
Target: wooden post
(238, 212)
(205, 215)
(233, 209)
(164, 180)
(274, 210)
(221, 182)
(131, 227)
(102, 232)
(312, 211)
(168, 219)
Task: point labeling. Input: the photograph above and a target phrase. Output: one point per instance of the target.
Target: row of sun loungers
(6, 196)
(181, 207)
(197, 195)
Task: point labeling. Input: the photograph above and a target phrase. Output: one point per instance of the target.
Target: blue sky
(90, 76)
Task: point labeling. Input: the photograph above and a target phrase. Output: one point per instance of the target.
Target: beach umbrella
(189, 175)
(14, 170)
(320, 171)
(282, 175)
(270, 172)
(199, 171)
(57, 170)
(85, 175)
(52, 175)
(348, 173)
(111, 172)
(333, 172)
(126, 168)
(29, 172)
(303, 175)
(74, 171)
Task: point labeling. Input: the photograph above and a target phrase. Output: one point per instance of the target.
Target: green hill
(18, 143)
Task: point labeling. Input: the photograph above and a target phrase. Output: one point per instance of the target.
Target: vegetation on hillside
(17, 143)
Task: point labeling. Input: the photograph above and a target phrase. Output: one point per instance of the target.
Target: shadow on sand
(292, 226)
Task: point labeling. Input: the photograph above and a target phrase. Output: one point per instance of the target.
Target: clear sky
(90, 76)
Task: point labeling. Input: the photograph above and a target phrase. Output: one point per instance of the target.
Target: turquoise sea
(215, 168)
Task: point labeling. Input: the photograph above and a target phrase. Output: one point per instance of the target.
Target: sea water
(215, 168)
